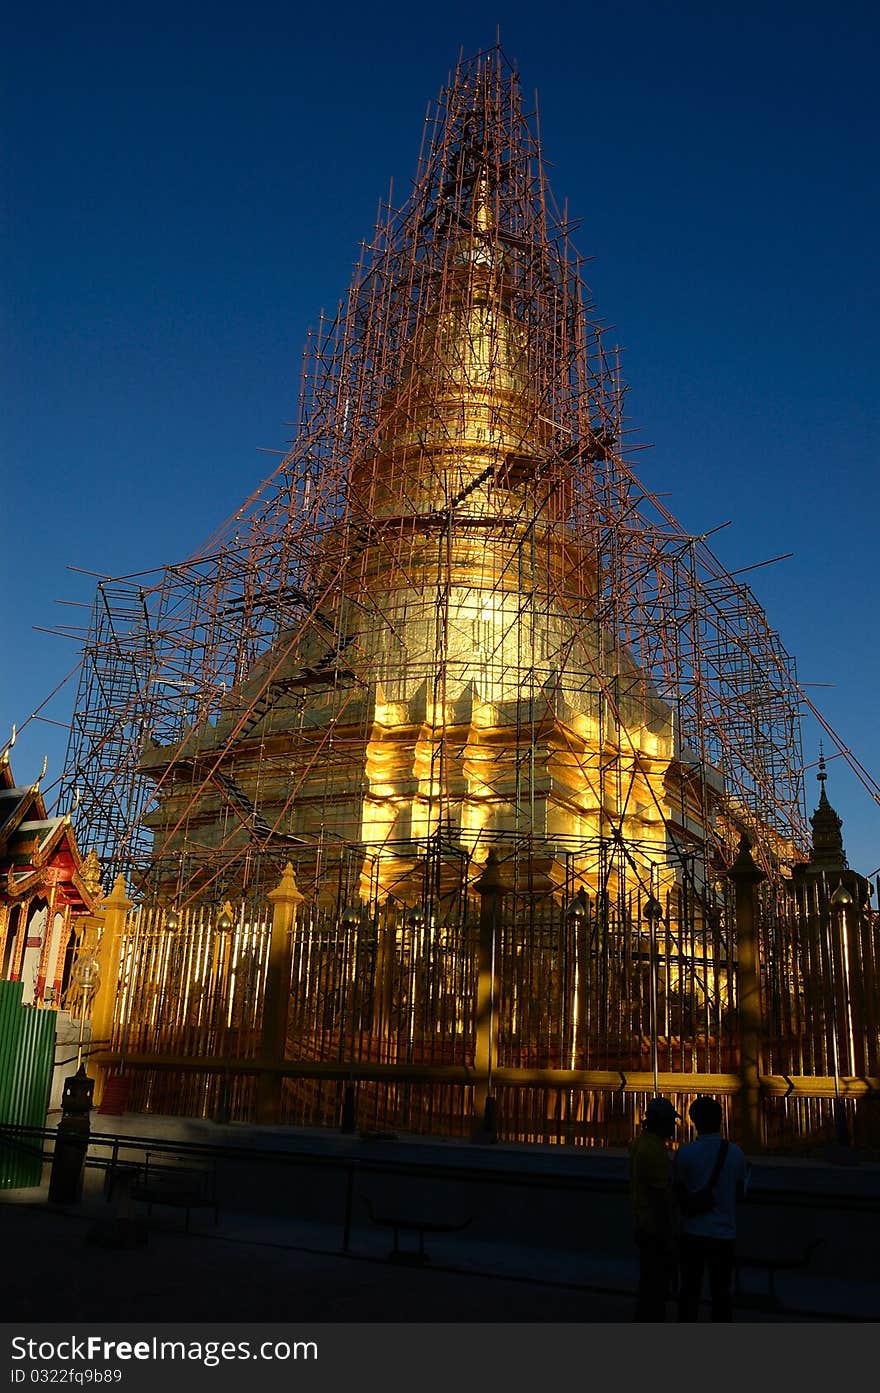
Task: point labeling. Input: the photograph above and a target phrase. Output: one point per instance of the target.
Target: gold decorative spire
(482, 212)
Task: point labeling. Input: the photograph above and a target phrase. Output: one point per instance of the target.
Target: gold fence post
(276, 1000)
(746, 876)
(109, 953)
(489, 889)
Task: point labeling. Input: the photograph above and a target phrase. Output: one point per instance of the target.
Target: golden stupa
(469, 693)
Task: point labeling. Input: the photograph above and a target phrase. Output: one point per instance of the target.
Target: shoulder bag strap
(719, 1163)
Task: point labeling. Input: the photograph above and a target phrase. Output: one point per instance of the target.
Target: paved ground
(199, 1277)
(257, 1270)
(283, 1259)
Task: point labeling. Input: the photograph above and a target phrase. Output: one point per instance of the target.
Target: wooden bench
(415, 1224)
(173, 1181)
(771, 1264)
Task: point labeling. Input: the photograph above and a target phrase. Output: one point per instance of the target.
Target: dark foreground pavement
(541, 1235)
(245, 1270)
(57, 1273)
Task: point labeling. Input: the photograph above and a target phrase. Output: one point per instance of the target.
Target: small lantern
(576, 914)
(652, 909)
(841, 899)
(86, 974)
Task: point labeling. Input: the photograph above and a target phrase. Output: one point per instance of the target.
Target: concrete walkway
(537, 1252)
(265, 1270)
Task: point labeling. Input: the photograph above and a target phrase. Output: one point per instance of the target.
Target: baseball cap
(661, 1109)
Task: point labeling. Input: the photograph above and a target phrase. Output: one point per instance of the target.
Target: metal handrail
(414, 1168)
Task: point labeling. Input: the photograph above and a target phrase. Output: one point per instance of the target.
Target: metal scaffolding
(453, 616)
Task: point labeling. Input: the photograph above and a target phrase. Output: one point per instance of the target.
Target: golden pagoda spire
(465, 401)
(482, 212)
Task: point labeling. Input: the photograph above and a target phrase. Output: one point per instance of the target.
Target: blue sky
(185, 186)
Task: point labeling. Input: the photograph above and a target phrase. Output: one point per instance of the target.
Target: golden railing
(536, 1019)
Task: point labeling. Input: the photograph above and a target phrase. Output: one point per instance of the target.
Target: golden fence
(565, 1017)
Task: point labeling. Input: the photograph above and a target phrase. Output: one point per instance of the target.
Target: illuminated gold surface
(486, 702)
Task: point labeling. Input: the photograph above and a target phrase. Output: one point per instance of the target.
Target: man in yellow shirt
(651, 1197)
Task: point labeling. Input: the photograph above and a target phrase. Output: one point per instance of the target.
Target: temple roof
(38, 851)
(827, 851)
(827, 855)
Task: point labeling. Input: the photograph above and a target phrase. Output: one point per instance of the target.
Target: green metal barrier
(27, 1057)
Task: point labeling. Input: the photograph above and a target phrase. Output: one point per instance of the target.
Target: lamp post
(86, 974)
(489, 889)
(72, 1138)
(653, 912)
(225, 923)
(350, 922)
(415, 920)
(576, 916)
(839, 902)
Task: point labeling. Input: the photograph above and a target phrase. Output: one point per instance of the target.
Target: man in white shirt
(708, 1239)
